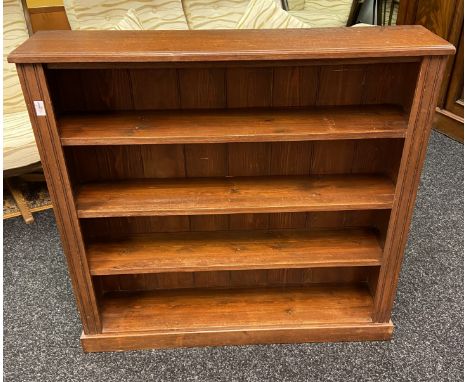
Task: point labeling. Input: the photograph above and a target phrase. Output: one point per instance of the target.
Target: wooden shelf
(175, 46)
(231, 250)
(215, 309)
(198, 196)
(240, 125)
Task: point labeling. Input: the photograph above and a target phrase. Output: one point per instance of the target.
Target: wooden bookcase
(233, 187)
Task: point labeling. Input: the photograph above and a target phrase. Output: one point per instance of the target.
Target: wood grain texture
(151, 89)
(449, 124)
(425, 100)
(45, 130)
(113, 228)
(438, 15)
(234, 195)
(295, 86)
(235, 309)
(454, 102)
(235, 279)
(283, 335)
(242, 45)
(114, 162)
(444, 18)
(202, 88)
(233, 126)
(205, 86)
(231, 250)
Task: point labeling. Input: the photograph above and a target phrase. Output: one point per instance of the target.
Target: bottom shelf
(181, 318)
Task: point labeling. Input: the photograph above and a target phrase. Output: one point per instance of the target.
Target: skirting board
(248, 336)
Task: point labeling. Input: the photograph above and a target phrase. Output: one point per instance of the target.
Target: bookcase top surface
(229, 45)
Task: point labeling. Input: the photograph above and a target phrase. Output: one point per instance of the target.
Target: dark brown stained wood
(391, 83)
(241, 45)
(341, 85)
(152, 89)
(202, 88)
(429, 83)
(446, 19)
(455, 93)
(289, 158)
(249, 87)
(231, 250)
(293, 277)
(234, 309)
(34, 87)
(214, 88)
(249, 159)
(67, 98)
(234, 195)
(117, 227)
(233, 126)
(91, 163)
(100, 229)
(439, 15)
(207, 160)
(295, 86)
(170, 159)
(114, 162)
(107, 89)
(372, 158)
(449, 124)
(341, 162)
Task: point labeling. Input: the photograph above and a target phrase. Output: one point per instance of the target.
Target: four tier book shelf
(232, 187)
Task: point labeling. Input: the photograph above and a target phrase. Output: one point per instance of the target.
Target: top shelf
(235, 125)
(232, 45)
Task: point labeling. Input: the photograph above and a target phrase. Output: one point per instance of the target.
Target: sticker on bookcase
(40, 109)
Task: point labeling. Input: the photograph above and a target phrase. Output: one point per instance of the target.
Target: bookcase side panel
(45, 130)
(419, 129)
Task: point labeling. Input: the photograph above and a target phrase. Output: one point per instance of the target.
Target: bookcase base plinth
(177, 339)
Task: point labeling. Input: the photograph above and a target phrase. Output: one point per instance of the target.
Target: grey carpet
(42, 328)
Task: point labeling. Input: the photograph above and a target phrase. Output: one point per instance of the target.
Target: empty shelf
(231, 250)
(195, 196)
(230, 309)
(217, 126)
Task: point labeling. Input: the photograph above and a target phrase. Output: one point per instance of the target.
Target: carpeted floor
(42, 328)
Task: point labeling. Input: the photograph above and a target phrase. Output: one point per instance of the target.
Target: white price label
(40, 109)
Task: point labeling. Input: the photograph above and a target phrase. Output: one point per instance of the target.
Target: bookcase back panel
(75, 90)
(119, 227)
(106, 163)
(234, 279)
